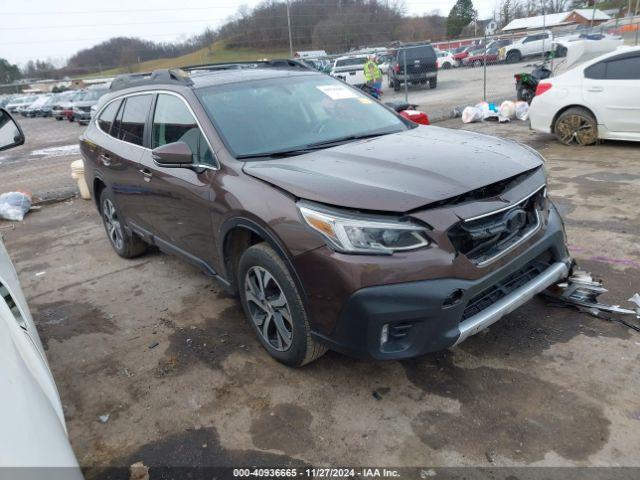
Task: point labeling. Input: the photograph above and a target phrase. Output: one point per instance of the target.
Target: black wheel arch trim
(273, 241)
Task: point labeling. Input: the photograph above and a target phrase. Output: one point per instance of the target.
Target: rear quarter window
(596, 71)
(108, 115)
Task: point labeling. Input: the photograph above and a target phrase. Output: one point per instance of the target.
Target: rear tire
(525, 94)
(273, 306)
(127, 245)
(433, 82)
(446, 65)
(514, 56)
(576, 126)
(396, 86)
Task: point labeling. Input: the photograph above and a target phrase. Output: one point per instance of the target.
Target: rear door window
(133, 119)
(108, 115)
(173, 122)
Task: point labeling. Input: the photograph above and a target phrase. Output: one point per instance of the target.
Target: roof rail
(162, 76)
(283, 63)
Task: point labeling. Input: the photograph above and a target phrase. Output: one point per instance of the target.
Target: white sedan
(33, 432)
(599, 99)
(445, 60)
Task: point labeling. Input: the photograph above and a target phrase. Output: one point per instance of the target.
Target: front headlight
(358, 235)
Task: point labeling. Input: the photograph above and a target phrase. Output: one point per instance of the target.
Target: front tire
(576, 126)
(126, 245)
(273, 305)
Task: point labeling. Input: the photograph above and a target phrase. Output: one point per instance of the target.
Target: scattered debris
(485, 111)
(490, 454)
(378, 393)
(154, 345)
(138, 471)
(104, 418)
(522, 110)
(14, 205)
(39, 274)
(455, 112)
(471, 115)
(582, 290)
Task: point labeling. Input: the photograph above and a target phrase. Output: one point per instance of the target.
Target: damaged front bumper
(405, 320)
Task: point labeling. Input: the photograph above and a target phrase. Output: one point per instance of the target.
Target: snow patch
(61, 151)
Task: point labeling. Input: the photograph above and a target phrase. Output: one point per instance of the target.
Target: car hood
(398, 172)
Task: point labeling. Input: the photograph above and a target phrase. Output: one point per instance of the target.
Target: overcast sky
(56, 29)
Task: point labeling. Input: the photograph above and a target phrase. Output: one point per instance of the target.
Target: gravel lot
(158, 347)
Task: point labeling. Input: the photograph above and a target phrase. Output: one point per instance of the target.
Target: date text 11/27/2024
(337, 473)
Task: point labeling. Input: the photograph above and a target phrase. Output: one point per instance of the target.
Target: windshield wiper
(311, 147)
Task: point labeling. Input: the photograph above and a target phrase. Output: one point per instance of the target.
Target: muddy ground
(168, 356)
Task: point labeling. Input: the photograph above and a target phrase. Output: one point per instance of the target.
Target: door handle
(105, 159)
(595, 89)
(147, 174)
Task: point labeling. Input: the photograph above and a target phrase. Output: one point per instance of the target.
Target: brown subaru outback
(339, 223)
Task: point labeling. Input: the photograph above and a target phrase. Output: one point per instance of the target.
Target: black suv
(421, 66)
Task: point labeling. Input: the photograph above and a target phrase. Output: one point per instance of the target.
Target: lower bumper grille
(503, 288)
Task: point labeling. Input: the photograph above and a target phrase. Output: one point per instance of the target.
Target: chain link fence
(467, 71)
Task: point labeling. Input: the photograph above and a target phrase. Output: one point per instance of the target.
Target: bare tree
(556, 6)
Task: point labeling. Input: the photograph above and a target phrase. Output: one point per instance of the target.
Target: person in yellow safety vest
(372, 73)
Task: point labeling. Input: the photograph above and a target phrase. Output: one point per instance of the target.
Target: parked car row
(72, 105)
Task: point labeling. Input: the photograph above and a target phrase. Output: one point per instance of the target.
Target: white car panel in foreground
(606, 89)
(33, 432)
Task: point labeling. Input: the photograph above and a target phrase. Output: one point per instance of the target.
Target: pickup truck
(534, 44)
(350, 69)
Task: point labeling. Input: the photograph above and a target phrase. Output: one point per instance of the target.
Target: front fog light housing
(384, 334)
(365, 235)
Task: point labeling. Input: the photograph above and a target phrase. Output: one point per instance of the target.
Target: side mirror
(10, 132)
(176, 154)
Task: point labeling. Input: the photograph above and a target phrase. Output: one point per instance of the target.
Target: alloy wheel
(576, 129)
(112, 224)
(268, 308)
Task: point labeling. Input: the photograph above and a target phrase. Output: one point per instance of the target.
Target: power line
(148, 10)
(253, 31)
(50, 27)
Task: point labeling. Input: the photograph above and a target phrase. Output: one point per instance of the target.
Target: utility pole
(544, 28)
(289, 24)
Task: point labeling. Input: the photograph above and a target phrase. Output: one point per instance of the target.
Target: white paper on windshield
(336, 92)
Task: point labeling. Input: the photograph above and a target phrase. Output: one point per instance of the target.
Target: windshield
(348, 62)
(93, 95)
(78, 96)
(265, 116)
